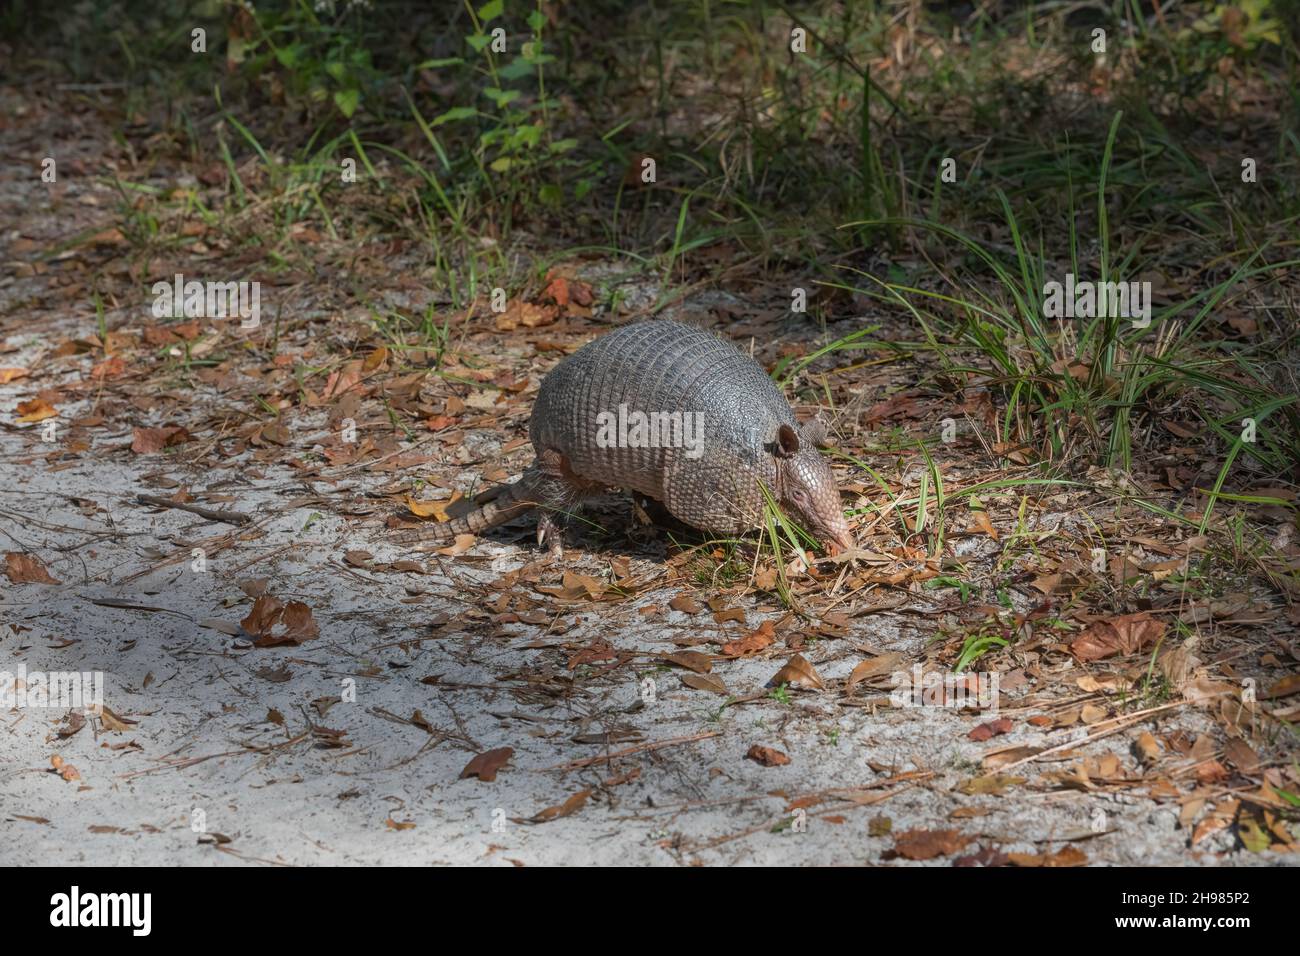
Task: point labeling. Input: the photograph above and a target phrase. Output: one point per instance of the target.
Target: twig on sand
(1124, 722)
(851, 801)
(229, 517)
(628, 751)
(191, 761)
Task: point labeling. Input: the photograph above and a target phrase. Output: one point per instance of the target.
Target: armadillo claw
(549, 536)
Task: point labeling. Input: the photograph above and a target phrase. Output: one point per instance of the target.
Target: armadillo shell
(709, 469)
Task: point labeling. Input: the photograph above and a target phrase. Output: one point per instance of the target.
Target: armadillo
(679, 415)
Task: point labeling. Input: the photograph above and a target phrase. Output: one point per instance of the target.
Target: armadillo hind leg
(558, 493)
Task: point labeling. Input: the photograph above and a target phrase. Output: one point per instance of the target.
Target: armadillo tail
(512, 501)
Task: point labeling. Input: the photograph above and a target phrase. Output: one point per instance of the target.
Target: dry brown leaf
(1284, 688)
(1091, 713)
(1178, 665)
(798, 673)
(1203, 690)
(1046, 583)
(980, 522)
(431, 509)
(265, 612)
(299, 626)
(730, 614)
(147, 441)
(1146, 748)
(26, 569)
(576, 587)
(1007, 755)
(1208, 827)
(691, 660)
(709, 682)
(991, 729)
(767, 756)
(1123, 635)
(1241, 755)
(570, 806)
(874, 667)
(294, 618)
(686, 604)
(598, 650)
(753, 642)
(36, 410)
(927, 844)
(459, 545)
(989, 785)
(112, 367)
(111, 721)
(558, 291)
(528, 314)
(485, 765)
(1066, 856)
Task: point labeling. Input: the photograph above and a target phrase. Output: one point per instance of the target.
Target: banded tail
(508, 503)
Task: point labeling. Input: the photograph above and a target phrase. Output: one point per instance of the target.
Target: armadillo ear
(814, 432)
(787, 442)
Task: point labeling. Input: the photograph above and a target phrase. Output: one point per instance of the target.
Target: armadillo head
(806, 485)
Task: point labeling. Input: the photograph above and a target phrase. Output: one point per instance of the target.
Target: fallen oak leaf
(567, 808)
(708, 682)
(993, 785)
(1008, 755)
(598, 650)
(485, 765)
(295, 618)
(148, 441)
(1066, 856)
(575, 587)
(691, 660)
(927, 844)
(1123, 635)
(299, 626)
(767, 756)
(991, 729)
(65, 770)
(980, 522)
(23, 568)
(461, 544)
(1284, 688)
(259, 621)
(431, 509)
(111, 367)
(72, 724)
(753, 642)
(797, 672)
(558, 291)
(36, 410)
(686, 604)
(1145, 748)
(875, 667)
(111, 721)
